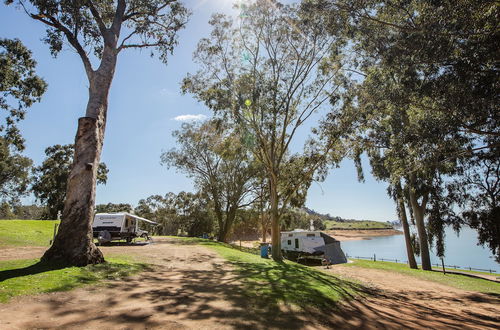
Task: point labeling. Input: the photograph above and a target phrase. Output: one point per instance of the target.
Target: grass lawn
(364, 224)
(25, 277)
(26, 232)
(457, 281)
(272, 284)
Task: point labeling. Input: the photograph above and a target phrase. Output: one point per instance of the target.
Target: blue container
(264, 251)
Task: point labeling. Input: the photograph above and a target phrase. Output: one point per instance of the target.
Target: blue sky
(144, 100)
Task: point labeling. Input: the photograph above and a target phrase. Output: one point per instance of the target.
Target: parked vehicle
(109, 227)
(302, 244)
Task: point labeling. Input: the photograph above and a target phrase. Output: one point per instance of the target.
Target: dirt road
(191, 287)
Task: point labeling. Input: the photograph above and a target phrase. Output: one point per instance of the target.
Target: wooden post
(55, 232)
(442, 262)
(374, 257)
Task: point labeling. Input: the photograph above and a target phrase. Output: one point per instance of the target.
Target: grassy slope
(365, 224)
(457, 281)
(272, 284)
(26, 232)
(23, 277)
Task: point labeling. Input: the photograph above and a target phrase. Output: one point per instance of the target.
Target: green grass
(26, 277)
(26, 232)
(458, 281)
(272, 284)
(364, 224)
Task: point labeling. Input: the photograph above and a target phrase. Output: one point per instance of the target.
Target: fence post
(374, 257)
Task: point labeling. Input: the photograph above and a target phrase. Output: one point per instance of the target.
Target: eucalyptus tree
(380, 170)
(269, 72)
(51, 178)
(221, 166)
(477, 194)
(20, 87)
(98, 31)
(182, 213)
(454, 43)
(14, 173)
(113, 208)
(407, 145)
(441, 58)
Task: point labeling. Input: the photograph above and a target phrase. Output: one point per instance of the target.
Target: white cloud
(189, 117)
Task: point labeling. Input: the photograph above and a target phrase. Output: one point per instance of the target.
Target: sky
(145, 107)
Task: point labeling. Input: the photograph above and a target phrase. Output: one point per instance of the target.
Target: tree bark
(419, 213)
(406, 228)
(275, 223)
(264, 229)
(73, 244)
(226, 226)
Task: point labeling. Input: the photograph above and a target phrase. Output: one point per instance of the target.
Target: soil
(189, 286)
(358, 234)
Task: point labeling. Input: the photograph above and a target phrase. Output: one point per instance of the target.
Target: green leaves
(50, 181)
(20, 87)
(90, 26)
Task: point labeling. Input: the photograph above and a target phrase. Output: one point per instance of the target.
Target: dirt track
(191, 287)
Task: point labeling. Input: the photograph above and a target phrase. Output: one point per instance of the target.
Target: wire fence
(402, 261)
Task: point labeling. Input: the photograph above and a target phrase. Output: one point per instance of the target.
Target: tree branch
(72, 39)
(98, 18)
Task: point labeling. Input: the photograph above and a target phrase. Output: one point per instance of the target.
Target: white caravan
(303, 243)
(108, 227)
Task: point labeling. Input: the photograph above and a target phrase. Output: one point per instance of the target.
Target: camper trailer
(109, 227)
(299, 244)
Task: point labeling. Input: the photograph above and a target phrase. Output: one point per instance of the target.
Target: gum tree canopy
(269, 73)
(20, 87)
(98, 31)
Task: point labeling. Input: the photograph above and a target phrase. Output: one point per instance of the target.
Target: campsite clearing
(202, 284)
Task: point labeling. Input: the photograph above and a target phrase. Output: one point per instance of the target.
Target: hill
(336, 222)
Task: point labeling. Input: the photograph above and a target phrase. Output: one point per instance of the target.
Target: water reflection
(461, 251)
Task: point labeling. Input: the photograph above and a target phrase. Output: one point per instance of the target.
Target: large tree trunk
(73, 244)
(406, 228)
(275, 222)
(419, 213)
(226, 226)
(264, 228)
(263, 220)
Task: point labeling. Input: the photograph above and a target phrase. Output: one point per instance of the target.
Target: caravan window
(296, 243)
(290, 235)
(289, 242)
(311, 235)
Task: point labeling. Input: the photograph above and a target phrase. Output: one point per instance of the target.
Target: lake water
(461, 251)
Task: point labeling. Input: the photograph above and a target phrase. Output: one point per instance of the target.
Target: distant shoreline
(341, 228)
(351, 234)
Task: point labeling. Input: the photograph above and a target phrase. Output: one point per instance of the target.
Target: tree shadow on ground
(258, 296)
(39, 267)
